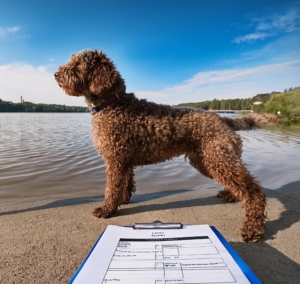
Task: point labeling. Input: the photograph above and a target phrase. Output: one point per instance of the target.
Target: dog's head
(90, 73)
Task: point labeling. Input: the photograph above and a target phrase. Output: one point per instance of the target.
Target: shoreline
(47, 243)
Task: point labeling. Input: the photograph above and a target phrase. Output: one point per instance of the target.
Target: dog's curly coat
(130, 132)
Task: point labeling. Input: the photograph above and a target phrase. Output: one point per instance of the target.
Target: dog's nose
(56, 75)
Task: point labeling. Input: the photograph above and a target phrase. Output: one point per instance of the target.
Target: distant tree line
(230, 104)
(31, 107)
(290, 89)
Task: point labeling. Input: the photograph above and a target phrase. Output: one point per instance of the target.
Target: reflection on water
(272, 156)
(43, 154)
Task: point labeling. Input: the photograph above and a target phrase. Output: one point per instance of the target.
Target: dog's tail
(251, 121)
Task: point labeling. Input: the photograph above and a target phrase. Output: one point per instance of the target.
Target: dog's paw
(251, 234)
(102, 212)
(251, 237)
(125, 200)
(227, 196)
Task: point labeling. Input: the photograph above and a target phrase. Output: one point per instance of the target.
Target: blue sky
(167, 51)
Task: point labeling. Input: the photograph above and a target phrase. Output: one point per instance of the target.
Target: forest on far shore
(31, 107)
(234, 104)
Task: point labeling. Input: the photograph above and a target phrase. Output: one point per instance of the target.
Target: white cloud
(232, 83)
(13, 29)
(34, 84)
(285, 48)
(251, 37)
(13, 32)
(272, 26)
(288, 22)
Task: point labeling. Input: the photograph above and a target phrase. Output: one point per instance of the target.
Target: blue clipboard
(243, 266)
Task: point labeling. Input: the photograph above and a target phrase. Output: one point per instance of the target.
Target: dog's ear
(103, 77)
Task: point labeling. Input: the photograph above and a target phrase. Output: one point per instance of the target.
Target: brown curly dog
(129, 132)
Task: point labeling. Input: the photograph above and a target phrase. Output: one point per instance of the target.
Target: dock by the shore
(225, 111)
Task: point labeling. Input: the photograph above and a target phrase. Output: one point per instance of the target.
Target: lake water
(51, 156)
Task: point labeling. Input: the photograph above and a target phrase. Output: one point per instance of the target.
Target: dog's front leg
(115, 173)
(129, 186)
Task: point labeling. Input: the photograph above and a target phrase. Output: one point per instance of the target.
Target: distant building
(257, 103)
(21, 100)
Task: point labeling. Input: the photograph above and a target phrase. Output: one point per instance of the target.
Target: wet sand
(46, 242)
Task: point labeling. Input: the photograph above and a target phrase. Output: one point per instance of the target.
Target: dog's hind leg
(222, 163)
(129, 186)
(226, 196)
(244, 188)
(196, 161)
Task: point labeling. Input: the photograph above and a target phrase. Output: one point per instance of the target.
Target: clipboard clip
(157, 225)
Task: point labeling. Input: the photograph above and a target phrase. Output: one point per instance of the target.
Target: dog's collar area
(93, 110)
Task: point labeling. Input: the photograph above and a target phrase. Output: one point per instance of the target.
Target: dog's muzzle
(56, 76)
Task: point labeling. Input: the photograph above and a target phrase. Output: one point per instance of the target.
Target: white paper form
(190, 255)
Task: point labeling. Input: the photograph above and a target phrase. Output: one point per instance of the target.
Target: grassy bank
(287, 103)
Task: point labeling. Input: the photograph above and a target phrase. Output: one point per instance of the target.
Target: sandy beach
(50, 182)
(46, 243)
